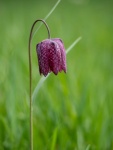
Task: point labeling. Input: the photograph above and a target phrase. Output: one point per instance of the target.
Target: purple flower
(51, 56)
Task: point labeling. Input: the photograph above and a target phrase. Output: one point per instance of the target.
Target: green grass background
(72, 111)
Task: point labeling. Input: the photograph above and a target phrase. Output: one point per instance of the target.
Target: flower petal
(54, 57)
(63, 54)
(43, 58)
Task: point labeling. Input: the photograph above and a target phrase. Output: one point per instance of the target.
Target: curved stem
(30, 79)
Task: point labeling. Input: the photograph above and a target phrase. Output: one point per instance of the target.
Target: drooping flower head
(51, 56)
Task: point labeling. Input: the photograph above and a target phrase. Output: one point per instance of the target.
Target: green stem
(30, 79)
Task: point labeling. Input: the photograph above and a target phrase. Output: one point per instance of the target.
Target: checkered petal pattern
(51, 56)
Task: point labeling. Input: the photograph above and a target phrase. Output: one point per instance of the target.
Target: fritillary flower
(51, 56)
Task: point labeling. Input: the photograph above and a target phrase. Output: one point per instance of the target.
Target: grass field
(72, 111)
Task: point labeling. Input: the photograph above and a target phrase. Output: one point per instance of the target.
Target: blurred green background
(72, 111)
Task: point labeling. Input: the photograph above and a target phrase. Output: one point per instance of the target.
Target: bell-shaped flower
(51, 56)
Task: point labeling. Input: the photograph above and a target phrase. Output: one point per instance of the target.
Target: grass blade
(73, 44)
(54, 139)
(54, 7)
(88, 147)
